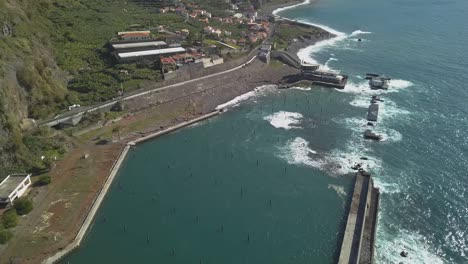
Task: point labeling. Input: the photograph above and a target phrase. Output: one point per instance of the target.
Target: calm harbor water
(267, 182)
(233, 189)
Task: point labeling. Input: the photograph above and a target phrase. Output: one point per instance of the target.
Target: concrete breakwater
(113, 172)
(359, 237)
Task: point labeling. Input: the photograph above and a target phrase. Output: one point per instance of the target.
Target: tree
(117, 130)
(5, 235)
(23, 206)
(10, 219)
(44, 180)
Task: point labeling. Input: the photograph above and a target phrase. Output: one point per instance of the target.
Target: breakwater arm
(359, 237)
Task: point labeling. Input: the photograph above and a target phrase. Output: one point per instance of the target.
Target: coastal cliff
(31, 84)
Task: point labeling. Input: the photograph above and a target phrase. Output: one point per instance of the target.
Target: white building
(13, 187)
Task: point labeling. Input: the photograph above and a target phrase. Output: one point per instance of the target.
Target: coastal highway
(87, 109)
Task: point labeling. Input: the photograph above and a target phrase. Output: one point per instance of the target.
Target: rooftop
(9, 184)
(139, 44)
(150, 52)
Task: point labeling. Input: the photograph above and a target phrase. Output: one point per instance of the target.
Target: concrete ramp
(286, 58)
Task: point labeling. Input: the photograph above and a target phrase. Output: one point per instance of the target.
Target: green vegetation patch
(23, 206)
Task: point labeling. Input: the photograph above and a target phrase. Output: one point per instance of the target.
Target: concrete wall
(359, 237)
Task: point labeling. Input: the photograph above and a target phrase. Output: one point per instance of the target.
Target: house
(183, 58)
(208, 30)
(134, 35)
(255, 26)
(138, 46)
(148, 54)
(241, 42)
(262, 35)
(168, 64)
(204, 20)
(227, 33)
(13, 187)
(253, 38)
(227, 20)
(217, 19)
(212, 31)
(184, 32)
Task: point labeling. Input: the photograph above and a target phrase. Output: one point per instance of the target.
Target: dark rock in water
(356, 166)
(404, 254)
(364, 158)
(368, 134)
(359, 40)
(370, 124)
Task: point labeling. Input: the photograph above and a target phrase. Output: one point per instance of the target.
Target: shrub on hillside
(5, 235)
(23, 206)
(44, 180)
(10, 219)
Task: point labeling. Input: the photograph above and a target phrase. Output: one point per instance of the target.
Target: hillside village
(212, 40)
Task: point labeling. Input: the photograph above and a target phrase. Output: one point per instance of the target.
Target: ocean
(268, 181)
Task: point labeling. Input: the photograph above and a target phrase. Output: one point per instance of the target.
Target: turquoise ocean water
(267, 182)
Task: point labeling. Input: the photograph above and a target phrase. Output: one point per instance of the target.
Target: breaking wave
(297, 152)
(336, 162)
(364, 88)
(418, 248)
(283, 119)
(236, 101)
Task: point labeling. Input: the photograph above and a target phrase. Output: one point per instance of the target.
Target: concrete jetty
(359, 237)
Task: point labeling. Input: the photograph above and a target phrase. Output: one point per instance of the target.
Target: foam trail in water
(338, 189)
(236, 101)
(283, 119)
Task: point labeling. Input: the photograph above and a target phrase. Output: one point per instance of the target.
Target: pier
(359, 237)
(312, 75)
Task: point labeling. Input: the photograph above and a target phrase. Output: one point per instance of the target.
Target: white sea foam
(418, 248)
(301, 88)
(337, 162)
(399, 84)
(342, 161)
(326, 66)
(338, 189)
(360, 101)
(283, 119)
(359, 32)
(276, 11)
(236, 101)
(386, 187)
(297, 152)
(364, 88)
